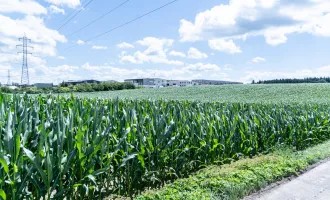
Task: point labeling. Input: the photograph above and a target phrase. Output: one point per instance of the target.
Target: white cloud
(80, 42)
(69, 3)
(125, 45)
(273, 19)
(56, 74)
(258, 60)
(61, 57)
(202, 67)
(87, 66)
(178, 54)
(155, 53)
(194, 53)
(25, 7)
(194, 71)
(99, 47)
(224, 17)
(224, 45)
(43, 39)
(64, 68)
(156, 45)
(129, 59)
(55, 9)
(270, 75)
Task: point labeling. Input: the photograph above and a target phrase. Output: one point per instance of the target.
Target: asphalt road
(313, 185)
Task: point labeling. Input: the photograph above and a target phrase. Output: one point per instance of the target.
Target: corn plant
(76, 148)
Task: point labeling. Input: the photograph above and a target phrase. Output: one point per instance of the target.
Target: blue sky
(215, 39)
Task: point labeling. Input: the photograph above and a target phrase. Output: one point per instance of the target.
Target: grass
(241, 178)
(280, 93)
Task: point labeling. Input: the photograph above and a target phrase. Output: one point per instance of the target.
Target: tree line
(294, 80)
(85, 87)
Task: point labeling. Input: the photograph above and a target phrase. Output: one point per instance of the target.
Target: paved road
(312, 185)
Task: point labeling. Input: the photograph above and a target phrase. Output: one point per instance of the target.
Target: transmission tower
(8, 81)
(25, 80)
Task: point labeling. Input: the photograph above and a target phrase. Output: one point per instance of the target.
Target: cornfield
(75, 148)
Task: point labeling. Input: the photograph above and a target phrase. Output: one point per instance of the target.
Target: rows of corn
(56, 147)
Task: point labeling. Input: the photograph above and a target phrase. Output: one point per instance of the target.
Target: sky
(234, 40)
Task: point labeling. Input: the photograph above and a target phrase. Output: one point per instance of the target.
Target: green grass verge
(241, 178)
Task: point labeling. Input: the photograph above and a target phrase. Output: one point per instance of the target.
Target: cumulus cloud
(55, 9)
(155, 52)
(99, 47)
(225, 17)
(80, 42)
(301, 73)
(202, 67)
(189, 72)
(69, 3)
(61, 57)
(273, 19)
(44, 39)
(125, 45)
(25, 7)
(194, 53)
(224, 45)
(258, 60)
(177, 53)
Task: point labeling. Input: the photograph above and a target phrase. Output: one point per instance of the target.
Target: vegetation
(295, 80)
(88, 148)
(86, 87)
(269, 94)
(239, 179)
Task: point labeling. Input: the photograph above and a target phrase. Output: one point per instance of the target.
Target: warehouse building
(158, 82)
(72, 82)
(43, 85)
(214, 82)
(148, 82)
(181, 83)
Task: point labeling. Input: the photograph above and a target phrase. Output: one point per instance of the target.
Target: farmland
(68, 147)
(280, 93)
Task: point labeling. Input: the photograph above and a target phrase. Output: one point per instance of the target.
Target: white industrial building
(214, 82)
(181, 83)
(148, 82)
(158, 82)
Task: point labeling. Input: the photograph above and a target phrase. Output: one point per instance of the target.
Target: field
(281, 93)
(83, 148)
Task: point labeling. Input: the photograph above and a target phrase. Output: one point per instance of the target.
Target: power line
(82, 8)
(105, 14)
(124, 24)
(46, 17)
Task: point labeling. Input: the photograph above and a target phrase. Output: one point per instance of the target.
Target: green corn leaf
(3, 194)
(4, 164)
(33, 159)
(128, 158)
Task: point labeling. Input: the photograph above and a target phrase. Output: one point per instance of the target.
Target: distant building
(214, 82)
(72, 82)
(12, 87)
(148, 82)
(181, 83)
(43, 85)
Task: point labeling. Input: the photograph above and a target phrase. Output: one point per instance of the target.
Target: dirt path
(313, 185)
